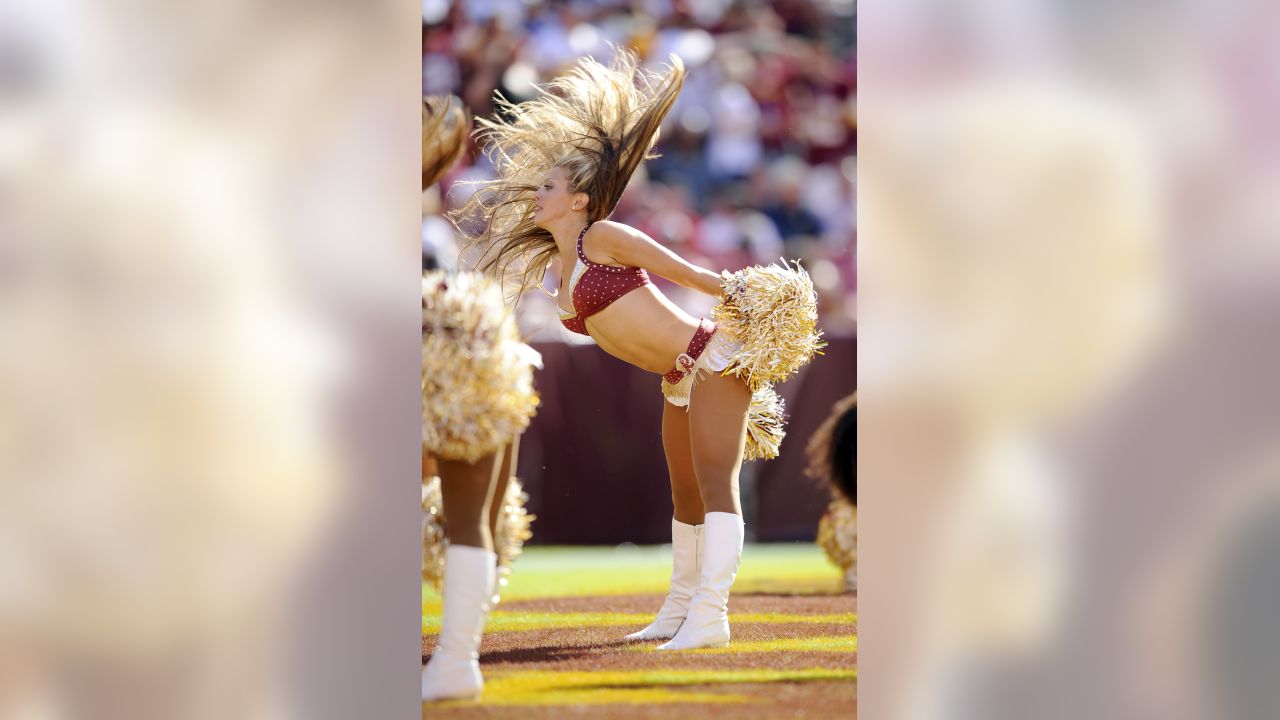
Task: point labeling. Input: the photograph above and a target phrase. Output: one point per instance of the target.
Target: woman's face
(554, 201)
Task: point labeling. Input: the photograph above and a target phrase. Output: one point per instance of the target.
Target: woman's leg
(469, 570)
(467, 491)
(685, 494)
(686, 527)
(717, 433)
(504, 468)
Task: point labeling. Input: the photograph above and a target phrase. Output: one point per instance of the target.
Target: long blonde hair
(597, 122)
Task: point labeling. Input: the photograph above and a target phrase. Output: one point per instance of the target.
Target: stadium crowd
(758, 156)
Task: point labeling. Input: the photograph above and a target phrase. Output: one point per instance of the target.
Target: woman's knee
(682, 475)
(688, 499)
(720, 478)
(720, 498)
(685, 489)
(716, 466)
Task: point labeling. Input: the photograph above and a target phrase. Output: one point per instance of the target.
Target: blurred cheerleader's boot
(454, 669)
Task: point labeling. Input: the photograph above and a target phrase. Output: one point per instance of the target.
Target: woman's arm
(628, 246)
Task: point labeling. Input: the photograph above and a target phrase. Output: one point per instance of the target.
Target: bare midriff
(643, 328)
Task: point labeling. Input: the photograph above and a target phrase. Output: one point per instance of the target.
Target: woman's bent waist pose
(622, 311)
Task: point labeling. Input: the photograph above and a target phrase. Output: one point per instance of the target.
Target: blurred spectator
(734, 147)
(718, 235)
(684, 161)
(787, 180)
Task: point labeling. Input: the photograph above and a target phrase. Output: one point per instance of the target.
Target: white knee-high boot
(707, 624)
(686, 561)
(454, 669)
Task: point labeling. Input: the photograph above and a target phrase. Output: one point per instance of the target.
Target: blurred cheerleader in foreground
(477, 397)
(562, 163)
(833, 456)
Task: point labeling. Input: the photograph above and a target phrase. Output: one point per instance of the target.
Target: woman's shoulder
(610, 229)
(606, 235)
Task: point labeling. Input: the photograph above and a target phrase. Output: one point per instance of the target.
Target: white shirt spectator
(718, 233)
(734, 148)
(761, 234)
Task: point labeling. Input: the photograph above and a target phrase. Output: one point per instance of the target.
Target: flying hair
(597, 122)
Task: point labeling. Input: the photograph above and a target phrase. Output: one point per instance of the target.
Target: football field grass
(553, 648)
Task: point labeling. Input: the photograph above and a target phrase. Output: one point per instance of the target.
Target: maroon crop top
(593, 287)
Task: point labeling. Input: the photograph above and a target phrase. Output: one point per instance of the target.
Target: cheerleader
(562, 163)
(832, 454)
(477, 397)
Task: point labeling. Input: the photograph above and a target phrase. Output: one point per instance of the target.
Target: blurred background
(758, 161)
(1068, 407)
(210, 357)
(210, 350)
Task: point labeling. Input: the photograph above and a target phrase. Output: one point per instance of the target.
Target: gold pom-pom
(838, 537)
(513, 531)
(433, 540)
(766, 424)
(773, 312)
(477, 377)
